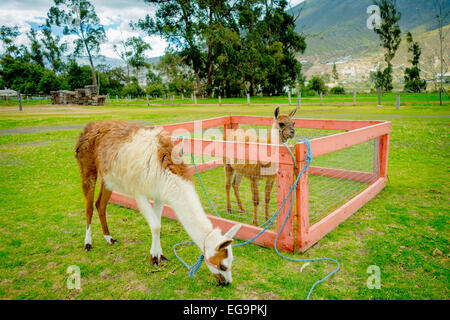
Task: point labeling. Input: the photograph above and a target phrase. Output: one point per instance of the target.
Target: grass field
(404, 230)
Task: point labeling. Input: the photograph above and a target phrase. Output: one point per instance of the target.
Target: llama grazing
(282, 130)
(139, 161)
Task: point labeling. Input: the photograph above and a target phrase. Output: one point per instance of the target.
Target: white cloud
(115, 15)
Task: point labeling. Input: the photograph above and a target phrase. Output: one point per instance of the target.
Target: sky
(115, 16)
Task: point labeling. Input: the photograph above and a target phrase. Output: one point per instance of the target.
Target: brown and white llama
(281, 131)
(139, 161)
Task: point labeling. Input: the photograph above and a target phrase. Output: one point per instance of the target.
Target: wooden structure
(298, 234)
(84, 96)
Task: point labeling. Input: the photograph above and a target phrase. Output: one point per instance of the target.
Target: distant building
(8, 93)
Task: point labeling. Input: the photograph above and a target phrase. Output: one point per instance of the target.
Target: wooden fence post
(354, 97)
(302, 196)
(285, 176)
(248, 98)
(195, 98)
(289, 96)
(379, 97)
(299, 99)
(148, 102)
(321, 98)
(19, 96)
(220, 100)
(397, 105)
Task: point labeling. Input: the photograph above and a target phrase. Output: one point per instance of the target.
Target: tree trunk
(197, 81)
(94, 78)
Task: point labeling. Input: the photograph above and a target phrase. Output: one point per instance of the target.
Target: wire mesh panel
(337, 177)
(236, 189)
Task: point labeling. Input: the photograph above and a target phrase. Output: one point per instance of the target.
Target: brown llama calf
(281, 131)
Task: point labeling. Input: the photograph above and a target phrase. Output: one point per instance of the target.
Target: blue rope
(194, 268)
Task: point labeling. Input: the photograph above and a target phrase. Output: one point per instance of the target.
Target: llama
(139, 161)
(281, 131)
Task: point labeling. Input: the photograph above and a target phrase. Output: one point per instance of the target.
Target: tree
(49, 82)
(179, 78)
(317, 84)
(441, 17)
(8, 36)
(78, 18)
(20, 75)
(36, 54)
(390, 36)
(53, 50)
(137, 57)
(124, 52)
(335, 73)
(78, 77)
(177, 21)
(413, 83)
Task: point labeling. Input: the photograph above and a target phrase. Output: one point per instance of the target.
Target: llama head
(284, 124)
(219, 255)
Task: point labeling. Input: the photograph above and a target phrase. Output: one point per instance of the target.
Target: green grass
(42, 217)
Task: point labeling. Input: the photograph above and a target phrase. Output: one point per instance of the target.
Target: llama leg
(89, 178)
(255, 198)
(101, 204)
(267, 192)
(228, 174)
(156, 236)
(236, 183)
(155, 226)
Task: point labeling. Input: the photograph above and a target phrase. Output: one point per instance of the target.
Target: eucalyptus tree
(36, 53)
(78, 17)
(137, 58)
(178, 22)
(124, 52)
(8, 36)
(53, 49)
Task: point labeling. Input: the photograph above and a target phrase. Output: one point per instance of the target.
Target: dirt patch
(23, 144)
(40, 129)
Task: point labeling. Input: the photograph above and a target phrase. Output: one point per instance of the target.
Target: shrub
(155, 89)
(337, 90)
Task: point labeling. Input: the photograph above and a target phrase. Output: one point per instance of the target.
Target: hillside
(339, 27)
(336, 32)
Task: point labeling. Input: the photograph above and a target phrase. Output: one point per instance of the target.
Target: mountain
(340, 26)
(336, 32)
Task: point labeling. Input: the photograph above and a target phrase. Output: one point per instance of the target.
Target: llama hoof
(157, 261)
(87, 247)
(112, 242)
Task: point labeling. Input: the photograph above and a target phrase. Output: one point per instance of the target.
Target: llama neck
(189, 211)
(274, 136)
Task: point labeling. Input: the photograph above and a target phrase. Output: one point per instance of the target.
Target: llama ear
(292, 113)
(276, 113)
(232, 232)
(223, 245)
